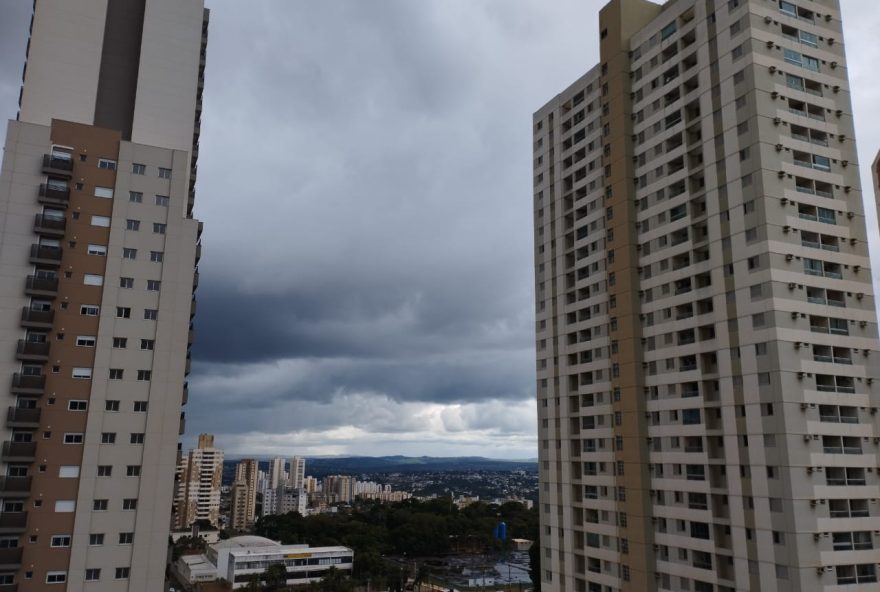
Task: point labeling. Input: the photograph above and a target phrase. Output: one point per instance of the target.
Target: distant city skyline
(371, 290)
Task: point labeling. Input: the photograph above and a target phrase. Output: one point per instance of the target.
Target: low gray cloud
(365, 182)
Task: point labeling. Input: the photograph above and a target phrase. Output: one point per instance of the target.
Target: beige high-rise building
(199, 476)
(98, 249)
(276, 472)
(244, 495)
(707, 350)
(297, 475)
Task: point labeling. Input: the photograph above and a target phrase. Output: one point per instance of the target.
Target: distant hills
(356, 465)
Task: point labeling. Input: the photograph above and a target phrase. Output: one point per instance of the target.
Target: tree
(535, 565)
(275, 576)
(334, 581)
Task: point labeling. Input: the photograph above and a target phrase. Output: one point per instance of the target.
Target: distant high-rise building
(283, 499)
(297, 475)
(276, 472)
(339, 488)
(706, 328)
(199, 476)
(98, 250)
(244, 495)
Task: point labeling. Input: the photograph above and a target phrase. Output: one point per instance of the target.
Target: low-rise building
(238, 559)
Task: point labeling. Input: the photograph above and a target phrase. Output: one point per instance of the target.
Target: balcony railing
(10, 558)
(20, 417)
(19, 451)
(53, 165)
(32, 351)
(49, 225)
(45, 255)
(40, 286)
(37, 319)
(15, 486)
(25, 384)
(53, 196)
(12, 522)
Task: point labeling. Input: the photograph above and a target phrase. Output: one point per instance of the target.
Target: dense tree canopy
(413, 528)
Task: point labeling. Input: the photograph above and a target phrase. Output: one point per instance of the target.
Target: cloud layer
(364, 177)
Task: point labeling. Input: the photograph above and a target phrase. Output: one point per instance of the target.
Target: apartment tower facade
(98, 249)
(244, 495)
(199, 477)
(707, 352)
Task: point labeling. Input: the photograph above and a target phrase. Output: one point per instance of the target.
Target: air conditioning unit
(850, 214)
(862, 323)
(772, 69)
(853, 241)
(831, 41)
(777, 120)
(768, 20)
(844, 163)
(833, 64)
(778, 147)
(800, 375)
(847, 188)
(789, 257)
(808, 438)
(792, 286)
(770, 44)
(839, 112)
(812, 503)
(780, 174)
(794, 315)
(841, 137)
(784, 201)
(774, 94)
(786, 229)
(828, 18)
(804, 406)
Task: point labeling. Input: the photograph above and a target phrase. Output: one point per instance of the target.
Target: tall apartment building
(297, 476)
(276, 472)
(244, 495)
(98, 248)
(707, 349)
(199, 477)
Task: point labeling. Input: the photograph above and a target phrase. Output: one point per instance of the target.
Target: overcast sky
(365, 182)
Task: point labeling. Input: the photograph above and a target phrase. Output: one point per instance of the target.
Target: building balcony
(45, 255)
(23, 384)
(52, 196)
(53, 165)
(19, 487)
(49, 225)
(185, 393)
(32, 351)
(37, 319)
(12, 523)
(8, 587)
(41, 287)
(19, 417)
(19, 451)
(10, 558)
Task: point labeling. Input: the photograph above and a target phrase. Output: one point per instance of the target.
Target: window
(65, 506)
(123, 312)
(96, 539)
(93, 574)
(89, 310)
(164, 173)
(140, 406)
(156, 256)
(120, 342)
(105, 471)
(162, 200)
(105, 192)
(151, 314)
(122, 573)
(144, 375)
(159, 228)
(56, 577)
(126, 282)
(111, 405)
(133, 471)
(68, 471)
(116, 373)
(138, 169)
(90, 279)
(77, 405)
(85, 341)
(126, 538)
(99, 250)
(129, 503)
(153, 285)
(108, 438)
(135, 196)
(82, 373)
(60, 540)
(73, 438)
(106, 163)
(132, 224)
(100, 505)
(137, 438)
(147, 344)
(129, 253)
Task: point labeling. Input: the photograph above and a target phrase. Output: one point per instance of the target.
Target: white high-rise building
(276, 472)
(297, 475)
(707, 353)
(199, 476)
